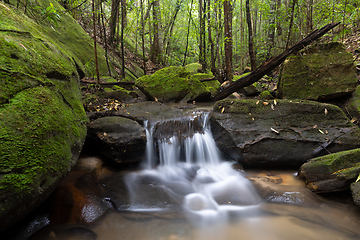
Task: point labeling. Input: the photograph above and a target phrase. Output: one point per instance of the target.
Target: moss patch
(323, 72)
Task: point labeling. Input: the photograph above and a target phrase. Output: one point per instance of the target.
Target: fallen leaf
(275, 131)
(257, 102)
(321, 131)
(315, 126)
(253, 119)
(272, 107)
(326, 111)
(275, 102)
(265, 103)
(222, 110)
(353, 120)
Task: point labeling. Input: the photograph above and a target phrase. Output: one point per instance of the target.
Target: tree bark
(266, 67)
(188, 32)
(228, 38)
(95, 49)
(251, 37)
(156, 47)
(271, 31)
(123, 2)
(113, 20)
(143, 35)
(291, 23)
(211, 42)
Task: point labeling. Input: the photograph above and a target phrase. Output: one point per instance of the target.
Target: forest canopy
(224, 36)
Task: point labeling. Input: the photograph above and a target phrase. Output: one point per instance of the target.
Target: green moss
(193, 67)
(237, 77)
(266, 95)
(38, 130)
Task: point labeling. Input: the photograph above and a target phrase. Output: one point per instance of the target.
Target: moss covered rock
(173, 84)
(353, 105)
(281, 133)
(42, 119)
(333, 172)
(323, 72)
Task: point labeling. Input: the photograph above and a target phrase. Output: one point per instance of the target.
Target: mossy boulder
(42, 119)
(280, 133)
(212, 86)
(333, 172)
(173, 84)
(355, 190)
(322, 72)
(353, 105)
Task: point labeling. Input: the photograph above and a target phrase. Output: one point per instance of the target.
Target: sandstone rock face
(121, 139)
(333, 172)
(280, 133)
(323, 72)
(42, 119)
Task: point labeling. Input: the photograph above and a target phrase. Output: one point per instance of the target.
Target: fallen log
(268, 66)
(108, 83)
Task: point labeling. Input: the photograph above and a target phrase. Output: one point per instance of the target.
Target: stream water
(208, 199)
(187, 190)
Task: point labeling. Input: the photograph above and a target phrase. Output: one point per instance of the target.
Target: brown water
(319, 219)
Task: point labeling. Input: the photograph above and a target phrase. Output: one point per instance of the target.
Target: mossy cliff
(321, 73)
(42, 120)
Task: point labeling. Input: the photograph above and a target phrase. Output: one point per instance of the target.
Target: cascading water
(190, 174)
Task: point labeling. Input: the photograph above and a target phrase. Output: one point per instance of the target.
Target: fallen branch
(268, 66)
(109, 84)
(207, 79)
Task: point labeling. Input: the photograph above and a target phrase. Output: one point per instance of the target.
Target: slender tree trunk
(271, 34)
(113, 20)
(201, 34)
(105, 39)
(211, 42)
(309, 21)
(343, 32)
(187, 35)
(228, 38)
(95, 49)
(156, 47)
(251, 40)
(142, 34)
(122, 38)
(291, 23)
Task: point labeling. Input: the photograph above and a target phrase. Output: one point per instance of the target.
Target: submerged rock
(333, 172)
(281, 133)
(322, 72)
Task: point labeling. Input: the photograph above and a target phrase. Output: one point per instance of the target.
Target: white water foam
(192, 174)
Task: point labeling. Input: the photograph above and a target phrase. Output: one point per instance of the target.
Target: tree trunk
(228, 38)
(309, 21)
(251, 37)
(156, 47)
(95, 49)
(105, 39)
(211, 42)
(122, 38)
(271, 31)
(188, 32)
(113, 20)
(142, 35)
(267, 67)
(291, 23)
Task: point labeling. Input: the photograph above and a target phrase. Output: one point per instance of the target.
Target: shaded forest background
(224, 36)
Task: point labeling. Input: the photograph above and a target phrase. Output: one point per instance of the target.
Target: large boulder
(173, 84)
(42, 119)
(322, 72)
(280, 133)
(333, 172)
(121, 139)
(353, 105)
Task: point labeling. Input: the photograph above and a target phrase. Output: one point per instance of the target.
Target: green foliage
(50, 13)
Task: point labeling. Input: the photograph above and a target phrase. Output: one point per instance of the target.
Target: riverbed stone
(321, 72)
(355, 191)
(280, 133)
(333, 172)
(353, 105)
(118, 138)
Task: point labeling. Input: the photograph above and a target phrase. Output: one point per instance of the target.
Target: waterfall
(183, 167)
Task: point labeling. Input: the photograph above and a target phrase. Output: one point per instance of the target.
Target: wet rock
(79, 200)
(64, 233)
(355, 190)
(118, 138)
(322, 72)
(333, 172)
(353, 105)
(280, 133)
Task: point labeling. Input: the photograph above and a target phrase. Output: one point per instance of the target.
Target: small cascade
(183, 168)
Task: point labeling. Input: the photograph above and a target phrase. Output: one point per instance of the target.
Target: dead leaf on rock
(275, 131)
(265, 103)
